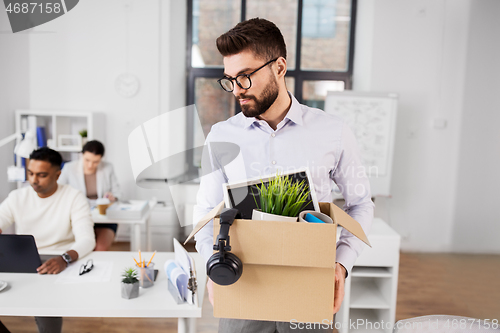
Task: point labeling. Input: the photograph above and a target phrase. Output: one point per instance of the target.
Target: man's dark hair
(48, 155)
(258, 35)
(94, 147)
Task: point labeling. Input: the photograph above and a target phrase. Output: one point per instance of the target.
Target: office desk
(135, 237)
(39, 295)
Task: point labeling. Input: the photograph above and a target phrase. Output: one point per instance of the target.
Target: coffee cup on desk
(102, 205)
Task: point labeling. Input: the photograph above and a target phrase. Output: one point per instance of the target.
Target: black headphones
(223, 267)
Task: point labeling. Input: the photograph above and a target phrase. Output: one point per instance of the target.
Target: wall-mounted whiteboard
(372, 118)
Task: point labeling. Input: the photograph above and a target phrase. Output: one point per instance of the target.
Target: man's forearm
(84, 246)
(73, 254)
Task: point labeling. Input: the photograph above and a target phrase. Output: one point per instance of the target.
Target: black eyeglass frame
(246, 75)
(84, 269)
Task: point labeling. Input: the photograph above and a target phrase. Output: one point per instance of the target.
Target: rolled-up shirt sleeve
(82, 226)
(351, 178)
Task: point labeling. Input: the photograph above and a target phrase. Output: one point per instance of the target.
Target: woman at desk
(96, 179)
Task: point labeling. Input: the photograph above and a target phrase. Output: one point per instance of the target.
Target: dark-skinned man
(58, 216)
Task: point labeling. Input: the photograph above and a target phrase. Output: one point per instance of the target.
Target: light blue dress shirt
(306, 137)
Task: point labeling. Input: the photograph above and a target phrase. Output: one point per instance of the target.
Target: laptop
(18, 254)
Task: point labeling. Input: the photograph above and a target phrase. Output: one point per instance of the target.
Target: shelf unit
(372, 321)
(59, 123)
(370, 292)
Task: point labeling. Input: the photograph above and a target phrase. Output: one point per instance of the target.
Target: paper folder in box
(131, 210)
(288, 267)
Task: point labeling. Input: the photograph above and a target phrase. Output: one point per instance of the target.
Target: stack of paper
(132, 210)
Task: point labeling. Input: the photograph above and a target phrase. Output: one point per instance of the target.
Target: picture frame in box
(240, 195)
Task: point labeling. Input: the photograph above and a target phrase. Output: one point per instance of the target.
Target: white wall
(414, 45)
(71, 64)
(14, 92)
(477, 222)
(438, 55)
(75, 60)
(75, 67)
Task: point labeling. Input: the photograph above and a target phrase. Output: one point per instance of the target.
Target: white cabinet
(370, 291)
(184, 199)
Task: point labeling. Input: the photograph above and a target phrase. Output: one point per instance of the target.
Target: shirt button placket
(271, 150)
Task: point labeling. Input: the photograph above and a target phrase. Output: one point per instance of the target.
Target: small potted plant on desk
(130, 283)
(281, 200)
(83, 134)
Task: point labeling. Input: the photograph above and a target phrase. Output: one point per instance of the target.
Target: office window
(210, 19)
(318, 19)
(314, 92)
(283, 13)
(319, 35)
(326, 30)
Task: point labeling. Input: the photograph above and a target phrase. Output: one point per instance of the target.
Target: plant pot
(130, 290)
(257, 214)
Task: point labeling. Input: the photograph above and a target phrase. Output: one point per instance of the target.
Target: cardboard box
(288, 268)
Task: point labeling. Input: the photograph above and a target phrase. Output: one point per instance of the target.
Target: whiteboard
(372, 118)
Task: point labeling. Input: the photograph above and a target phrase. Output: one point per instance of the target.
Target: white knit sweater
(59, 223)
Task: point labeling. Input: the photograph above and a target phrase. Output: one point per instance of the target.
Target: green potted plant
(130, 283)
(83, 134)
(281, 200)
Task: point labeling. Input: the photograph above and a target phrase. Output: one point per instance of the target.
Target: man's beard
(269, 96)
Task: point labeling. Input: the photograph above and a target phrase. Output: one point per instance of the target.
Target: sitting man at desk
(58, 216)
(96, 179)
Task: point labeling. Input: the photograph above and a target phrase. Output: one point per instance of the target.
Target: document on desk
(182, 274)
(133, 209)
(100, 273)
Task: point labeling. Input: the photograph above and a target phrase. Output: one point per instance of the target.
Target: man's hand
(340, 273)
(210, 288)
(52, 266)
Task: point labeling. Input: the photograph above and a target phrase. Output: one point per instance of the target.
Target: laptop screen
(18, 254)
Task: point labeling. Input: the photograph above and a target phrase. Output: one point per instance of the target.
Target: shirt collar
(294, 114)
(248, 121)
(295, 111)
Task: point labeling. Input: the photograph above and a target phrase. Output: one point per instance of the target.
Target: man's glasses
(242, 80)
(86, 267)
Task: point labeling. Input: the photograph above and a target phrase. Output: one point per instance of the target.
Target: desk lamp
(22, 149)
